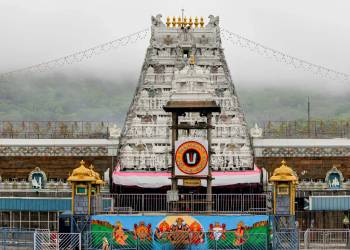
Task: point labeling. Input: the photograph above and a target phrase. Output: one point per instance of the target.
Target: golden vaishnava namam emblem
(191, 157)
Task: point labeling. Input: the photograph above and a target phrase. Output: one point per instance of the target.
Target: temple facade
(174, 45)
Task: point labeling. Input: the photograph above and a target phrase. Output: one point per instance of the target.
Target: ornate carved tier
(186, 55)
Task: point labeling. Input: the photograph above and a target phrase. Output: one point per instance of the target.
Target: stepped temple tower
(184, 53)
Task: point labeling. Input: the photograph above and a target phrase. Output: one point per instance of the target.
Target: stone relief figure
(203, 40)
(157, 21)
(213, 21)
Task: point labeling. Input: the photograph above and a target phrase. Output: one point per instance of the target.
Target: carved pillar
(209, 179)
(174, 137)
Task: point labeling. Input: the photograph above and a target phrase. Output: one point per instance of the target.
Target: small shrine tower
(284, 188)
(284, 185)
(86, 186)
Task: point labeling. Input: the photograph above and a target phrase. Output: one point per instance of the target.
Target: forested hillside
(82, 97)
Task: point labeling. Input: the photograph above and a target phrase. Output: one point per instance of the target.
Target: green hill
(85, 97)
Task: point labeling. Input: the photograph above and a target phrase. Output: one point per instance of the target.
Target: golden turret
(86, 183)
(196, 23)
(283, 173)
(84, 174)
(190, 22)
(202, 22)
(174, 22)
(81, 173)
(168, 22)
(179, 22)
(184, 22)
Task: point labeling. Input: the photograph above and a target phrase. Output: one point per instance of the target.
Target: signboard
(192, 182)
(191, 157)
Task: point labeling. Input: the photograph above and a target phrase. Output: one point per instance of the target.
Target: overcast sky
(318, 31)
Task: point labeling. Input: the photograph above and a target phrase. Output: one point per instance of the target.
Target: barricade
(324, 239)
(187, 203)
(11, 238)
(61, 241)
(176, 240)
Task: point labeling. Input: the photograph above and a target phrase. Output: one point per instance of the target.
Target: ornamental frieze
(303, 152)
(53, 151)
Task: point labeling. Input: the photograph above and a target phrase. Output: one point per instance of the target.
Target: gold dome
(82, 173)
(99, 181)
(283, 173)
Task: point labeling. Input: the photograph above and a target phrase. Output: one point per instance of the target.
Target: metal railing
(62, 241)
(306, 129)
(11, 238)
(39, 193)
(55, 129)
(324, 239)
(187, 203)
(309, 239)
(176, 240)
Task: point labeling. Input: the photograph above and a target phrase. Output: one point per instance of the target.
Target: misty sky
(318, 31)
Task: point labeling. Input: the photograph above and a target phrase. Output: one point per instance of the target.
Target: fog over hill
(84, 96)
(102, 88)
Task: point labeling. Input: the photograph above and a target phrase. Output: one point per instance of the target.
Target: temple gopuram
(188, 59)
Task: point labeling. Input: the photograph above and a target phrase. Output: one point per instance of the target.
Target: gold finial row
(184, 22)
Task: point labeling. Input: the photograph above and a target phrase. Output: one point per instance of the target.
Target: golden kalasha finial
(82, 162)
(168, 22)
(179, 22)
(174, 22)
(196, 23)
(185, 21)
(190, 22)
(202, 22)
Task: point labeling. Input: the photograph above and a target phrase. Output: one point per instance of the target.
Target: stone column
(174, 137)
(209, 178)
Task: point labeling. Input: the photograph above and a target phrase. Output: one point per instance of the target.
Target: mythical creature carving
(157, 21)
(213, 21)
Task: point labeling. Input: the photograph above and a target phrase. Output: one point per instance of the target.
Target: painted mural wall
(181, 231)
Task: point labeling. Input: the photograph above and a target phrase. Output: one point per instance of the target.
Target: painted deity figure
(239, 234)
(197, 235)
(119, 235)
(179, 232)
(162, 232)
(142, 231)
(217, 231)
